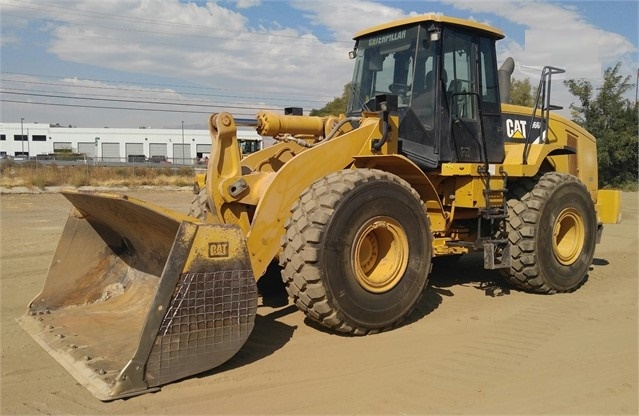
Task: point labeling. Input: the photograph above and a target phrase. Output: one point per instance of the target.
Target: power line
(311, 57)
(79, 95)
(129, 19)
(134, 101)
(300, 40)
(270, 93)
(116, 108)
(156, 91)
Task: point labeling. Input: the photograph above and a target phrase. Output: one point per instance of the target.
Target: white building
(183, 146)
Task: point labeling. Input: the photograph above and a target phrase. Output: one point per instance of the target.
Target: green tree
(335, 107)
(521, 92)
(613, 120)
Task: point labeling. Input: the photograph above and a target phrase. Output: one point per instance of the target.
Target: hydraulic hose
(378, 144)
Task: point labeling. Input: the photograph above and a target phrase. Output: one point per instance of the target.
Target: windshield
(385, 63)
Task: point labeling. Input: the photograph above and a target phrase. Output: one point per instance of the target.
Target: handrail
(543, 95)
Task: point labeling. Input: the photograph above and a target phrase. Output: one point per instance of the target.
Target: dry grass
(40, 175)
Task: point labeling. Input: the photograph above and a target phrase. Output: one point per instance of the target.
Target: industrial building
(183, 146)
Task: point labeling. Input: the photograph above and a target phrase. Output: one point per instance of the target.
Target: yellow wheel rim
(379, 254)
(568, 236)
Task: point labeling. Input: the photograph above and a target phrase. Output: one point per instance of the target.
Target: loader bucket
(137, 296)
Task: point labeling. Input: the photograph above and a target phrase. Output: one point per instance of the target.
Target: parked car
(158, 159)
(136, 158)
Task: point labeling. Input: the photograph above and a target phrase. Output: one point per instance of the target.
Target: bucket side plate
(138, 296)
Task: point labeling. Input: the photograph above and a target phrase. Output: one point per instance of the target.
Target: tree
(613, 120)
(521, 92)
(335, 107)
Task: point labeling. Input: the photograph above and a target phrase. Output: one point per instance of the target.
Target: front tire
(357, 251)
(552, 231)
(201, 207)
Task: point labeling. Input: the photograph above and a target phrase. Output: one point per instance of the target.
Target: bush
(41, 175)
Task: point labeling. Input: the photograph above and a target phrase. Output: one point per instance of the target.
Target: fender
(404, 168)
(264, 237)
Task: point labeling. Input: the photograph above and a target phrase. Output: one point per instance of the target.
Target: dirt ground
(461, 351)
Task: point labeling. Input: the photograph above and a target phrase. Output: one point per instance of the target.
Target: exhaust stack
(504, 73)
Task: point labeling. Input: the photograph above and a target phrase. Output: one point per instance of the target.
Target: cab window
(458, 66)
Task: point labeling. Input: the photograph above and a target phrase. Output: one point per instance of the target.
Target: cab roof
(432, 17)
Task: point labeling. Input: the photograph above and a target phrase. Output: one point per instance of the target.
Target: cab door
(471, 120)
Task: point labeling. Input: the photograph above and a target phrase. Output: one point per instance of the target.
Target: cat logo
(219, 249)
(516, 129)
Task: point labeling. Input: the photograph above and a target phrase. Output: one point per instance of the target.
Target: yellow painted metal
(281, 173)
(272, 158)
(569, 149)
(609, 206)
(225, 163)
(119, 259)
(267, 228)
(108, 289)
(256, 185)
(349, 150)
(469, 191)
(101, 283)
(458, 169)
(431, 17)
(379, 255)
(568, 236)
(271, 124)
(199, 182)
(262, 206)
(404, 168)
(441, 246)
(224, 242)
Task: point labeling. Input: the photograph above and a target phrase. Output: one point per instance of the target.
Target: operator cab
(444, 72)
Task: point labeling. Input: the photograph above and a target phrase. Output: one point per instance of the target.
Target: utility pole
(637, 88)
(95, 156)
(182, 142)
(22, 133)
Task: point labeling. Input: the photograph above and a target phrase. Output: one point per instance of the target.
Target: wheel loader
(429, 161)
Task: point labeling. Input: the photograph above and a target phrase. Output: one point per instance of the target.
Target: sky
(161, 63)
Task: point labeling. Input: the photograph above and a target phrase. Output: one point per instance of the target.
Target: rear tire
(552, 231)
(357, 251)
(200, 206)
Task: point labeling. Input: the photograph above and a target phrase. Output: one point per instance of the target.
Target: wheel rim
(380, 254)
(568, 236)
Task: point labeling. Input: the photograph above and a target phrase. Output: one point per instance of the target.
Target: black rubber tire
(317, 250)
(200, 207)
(535, 209)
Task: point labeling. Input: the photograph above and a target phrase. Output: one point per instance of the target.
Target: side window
(425, 82)
(396, 74)
(387, 70)
(488, 84)
(458, 66)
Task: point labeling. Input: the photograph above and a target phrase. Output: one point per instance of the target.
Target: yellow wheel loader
(429, 161)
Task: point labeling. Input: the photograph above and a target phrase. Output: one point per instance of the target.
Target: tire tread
(527, 200)
(302, 244)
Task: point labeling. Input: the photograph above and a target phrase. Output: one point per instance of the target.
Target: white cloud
(207, 44)
(9, 40)
(556, 35)
(246, 4)
(281, 64)
(197, 44)
(345, 18)
(570, 50)
(558, 30)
